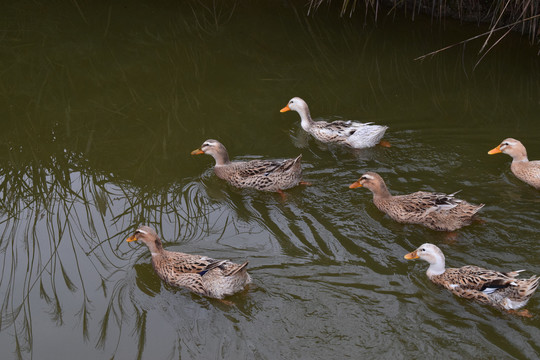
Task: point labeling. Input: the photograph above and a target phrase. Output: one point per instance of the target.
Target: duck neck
(155, 247)
(520, 157)
(436, 268)
(222, 158)
(381, 192)
(305, 118)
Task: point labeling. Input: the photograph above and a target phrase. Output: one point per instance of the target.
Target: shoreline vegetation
(501, 16)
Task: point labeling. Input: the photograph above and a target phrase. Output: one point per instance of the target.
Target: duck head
(300, 106)
(432, 254)
(511, 147)
(296, 104)
(215, 149)
(149, 237)
(373, 182)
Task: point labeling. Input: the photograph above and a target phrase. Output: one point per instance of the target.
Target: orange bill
(496, 150)
(197, 152)
(286, 108)
(131, 238)
(411, 255)
(355, 185)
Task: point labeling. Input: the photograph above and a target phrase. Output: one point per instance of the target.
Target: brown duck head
(215, 149)
(149, 237)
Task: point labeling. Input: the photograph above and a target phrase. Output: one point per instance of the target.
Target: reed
(502, 16)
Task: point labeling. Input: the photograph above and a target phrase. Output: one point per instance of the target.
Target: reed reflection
(62, 230)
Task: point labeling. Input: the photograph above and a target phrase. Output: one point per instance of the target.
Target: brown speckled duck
(525, 170)
(353, 134)
(437, 211)
(199, 274)
(265, 175)
(501, 290)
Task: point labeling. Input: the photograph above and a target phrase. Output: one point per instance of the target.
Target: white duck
(501, 290)
(354, 134)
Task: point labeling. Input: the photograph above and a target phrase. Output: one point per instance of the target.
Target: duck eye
(422, 249)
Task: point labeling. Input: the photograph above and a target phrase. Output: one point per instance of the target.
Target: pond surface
(101, 104)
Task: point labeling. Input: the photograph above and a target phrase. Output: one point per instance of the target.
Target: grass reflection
(63, 226)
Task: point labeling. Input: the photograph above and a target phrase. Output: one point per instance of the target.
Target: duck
(264, 175)
(349, 133)
(437, 211)
(501, 290)
(525, 170)
(199, 274)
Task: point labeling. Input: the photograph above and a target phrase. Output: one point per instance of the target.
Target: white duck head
(433, 255)
(301, 107)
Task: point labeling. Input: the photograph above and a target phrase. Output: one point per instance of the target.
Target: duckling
(353, 134)
(525, 170)
(501, 290)
(264, 175)
(437, 211)
(199, 274)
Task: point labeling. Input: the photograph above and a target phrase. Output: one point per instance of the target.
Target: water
(101, 105)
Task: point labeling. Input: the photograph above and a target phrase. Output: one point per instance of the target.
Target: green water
(101, 104)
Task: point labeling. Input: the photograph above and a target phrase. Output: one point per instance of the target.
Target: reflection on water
(100, 106)
(62, 232)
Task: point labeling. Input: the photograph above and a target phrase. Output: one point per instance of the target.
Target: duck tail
(529, 286)
(477, 208)
(292, 165)
(239, 269)
(212, 266)
(514, 274)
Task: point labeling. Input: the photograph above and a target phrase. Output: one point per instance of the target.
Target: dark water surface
(100, 106)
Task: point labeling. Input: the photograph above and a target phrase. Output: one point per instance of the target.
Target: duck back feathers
(265, 175)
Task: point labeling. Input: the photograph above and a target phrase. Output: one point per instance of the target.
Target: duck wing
(478, 279)
(488, 286)
(339, 128)
(190, 281)
(427, 202)
(183, 263)
(266, 167)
